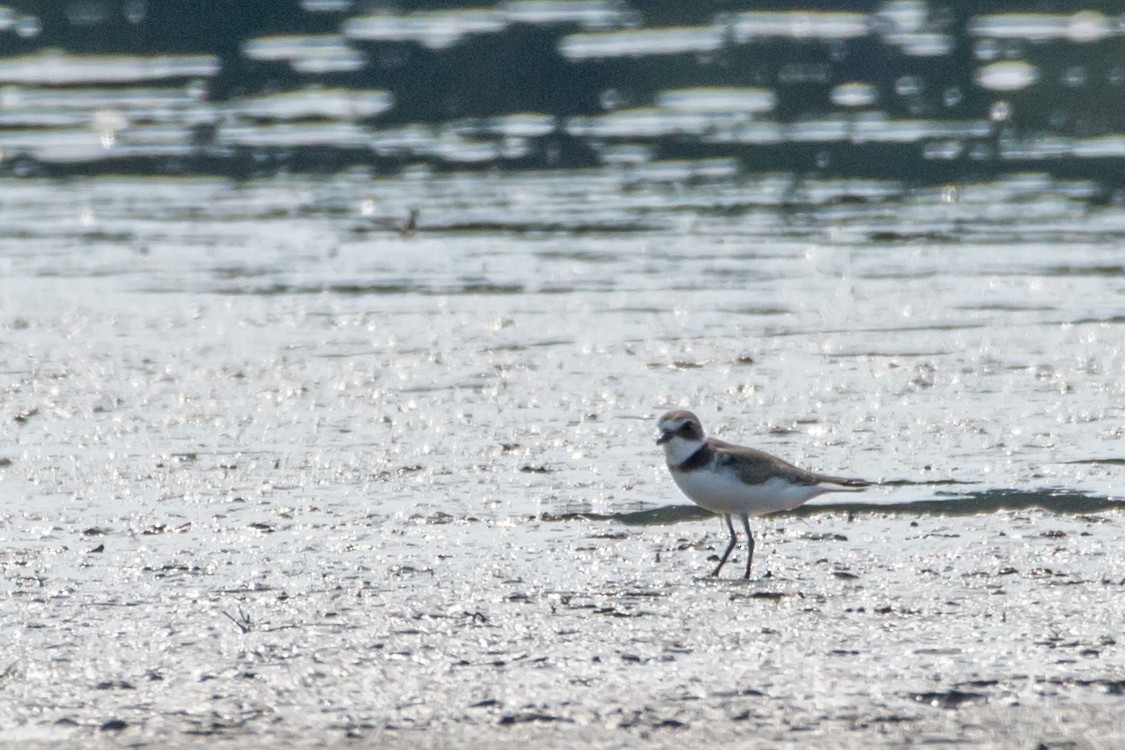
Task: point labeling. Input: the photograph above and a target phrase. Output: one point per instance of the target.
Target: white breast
(723, 492)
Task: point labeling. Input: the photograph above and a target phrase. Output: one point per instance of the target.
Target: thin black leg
(733, 541)
(749, 545)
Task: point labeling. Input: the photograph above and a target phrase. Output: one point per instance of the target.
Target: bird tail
(842, 484)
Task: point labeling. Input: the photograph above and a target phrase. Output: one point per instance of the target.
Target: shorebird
(734, 481)
(405, 226)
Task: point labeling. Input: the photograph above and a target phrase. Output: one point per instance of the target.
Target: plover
(734, 481)
(404, 226)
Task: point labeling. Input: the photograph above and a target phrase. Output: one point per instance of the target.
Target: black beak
(664, 438)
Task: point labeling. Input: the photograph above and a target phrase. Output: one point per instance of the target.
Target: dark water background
(922, 92)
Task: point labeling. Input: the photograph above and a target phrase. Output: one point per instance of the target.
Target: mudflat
(318, 628)
(272, 478)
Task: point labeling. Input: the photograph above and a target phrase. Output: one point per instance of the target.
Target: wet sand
(269, 481)
(996, 630)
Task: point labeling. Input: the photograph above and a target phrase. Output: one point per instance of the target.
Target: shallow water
(273, 471)
(905, 88)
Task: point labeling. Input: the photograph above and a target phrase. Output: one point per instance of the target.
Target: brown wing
(755, 467)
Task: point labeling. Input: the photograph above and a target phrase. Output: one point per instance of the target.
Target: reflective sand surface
(273, 472)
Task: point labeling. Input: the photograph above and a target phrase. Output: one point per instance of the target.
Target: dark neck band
(697, 460)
